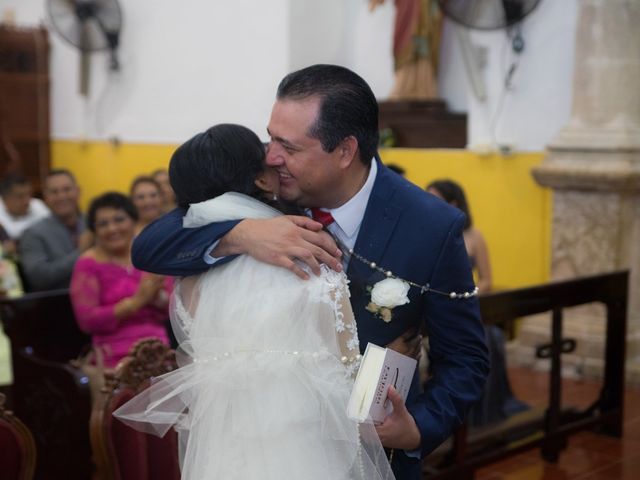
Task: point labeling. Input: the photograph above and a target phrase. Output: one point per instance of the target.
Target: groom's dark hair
(222, 159)
(348, 106)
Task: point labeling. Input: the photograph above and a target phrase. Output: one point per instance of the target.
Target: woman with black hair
(474, 241)
(266, 359)
(498, 401)
(113, 301)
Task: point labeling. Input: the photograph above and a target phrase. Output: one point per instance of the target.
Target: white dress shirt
(14, 225)
(348, 217)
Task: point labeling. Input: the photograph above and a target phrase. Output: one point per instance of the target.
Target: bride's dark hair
(224, 158)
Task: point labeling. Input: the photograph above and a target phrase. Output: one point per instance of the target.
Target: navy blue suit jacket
(419, 238)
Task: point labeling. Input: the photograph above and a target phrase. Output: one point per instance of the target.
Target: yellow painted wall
(506, 204)
(101, 166)
(511, 210)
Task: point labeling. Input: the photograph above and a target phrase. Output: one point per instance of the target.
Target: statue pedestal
(423, 124)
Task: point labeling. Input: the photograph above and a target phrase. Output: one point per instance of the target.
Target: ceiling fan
(487, 15)
(90, 26)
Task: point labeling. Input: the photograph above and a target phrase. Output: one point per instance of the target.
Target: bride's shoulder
(332, 278)
(228, 206)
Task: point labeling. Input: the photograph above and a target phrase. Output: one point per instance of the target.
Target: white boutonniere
(386, 295)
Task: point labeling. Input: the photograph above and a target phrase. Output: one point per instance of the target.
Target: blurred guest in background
(18, 210)
(497, 402)
(113, 301)
(168, 196)
(49, 248)
(10, 281)
(146, 196)
(5, 242)
(453, 194)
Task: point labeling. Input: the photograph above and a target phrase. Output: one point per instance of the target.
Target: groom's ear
(348, 149)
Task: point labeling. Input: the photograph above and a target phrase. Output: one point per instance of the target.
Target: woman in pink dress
(114, 302)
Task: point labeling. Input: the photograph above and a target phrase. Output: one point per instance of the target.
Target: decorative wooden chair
(120, 452)
(17, 447)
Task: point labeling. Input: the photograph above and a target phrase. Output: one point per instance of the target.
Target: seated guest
(497, 402)
(18, 210)
(168, 195)
(113, 301)
(10, 281)
(146, 196)
(49, 248)
(7, 245)
(453, 194)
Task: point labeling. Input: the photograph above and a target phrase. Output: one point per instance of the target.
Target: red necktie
(322, 217)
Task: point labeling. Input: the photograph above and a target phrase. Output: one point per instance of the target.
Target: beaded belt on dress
(344, 359)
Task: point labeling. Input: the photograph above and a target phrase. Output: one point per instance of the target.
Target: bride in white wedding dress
(267, 360)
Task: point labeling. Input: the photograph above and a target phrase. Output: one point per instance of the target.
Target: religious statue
(416, 46)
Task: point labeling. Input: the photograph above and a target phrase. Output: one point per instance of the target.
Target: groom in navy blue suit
(324, 134)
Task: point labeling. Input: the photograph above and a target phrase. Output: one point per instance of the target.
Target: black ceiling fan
(487, 14)
(90, 26)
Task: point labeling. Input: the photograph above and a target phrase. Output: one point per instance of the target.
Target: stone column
(593, 167)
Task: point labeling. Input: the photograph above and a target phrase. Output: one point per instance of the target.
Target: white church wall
(527, 116)
(188, 65)
(185, 66)
(318, 32)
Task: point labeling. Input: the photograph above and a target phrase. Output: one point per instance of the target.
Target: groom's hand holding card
(380, 369)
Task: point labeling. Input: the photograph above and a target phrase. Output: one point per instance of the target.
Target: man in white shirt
(18, 210)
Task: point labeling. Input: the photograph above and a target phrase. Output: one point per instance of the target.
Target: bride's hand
(280, 241)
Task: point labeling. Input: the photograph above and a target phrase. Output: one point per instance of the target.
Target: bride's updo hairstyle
(224, 158)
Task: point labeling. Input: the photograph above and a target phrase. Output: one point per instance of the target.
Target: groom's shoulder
(422, 207)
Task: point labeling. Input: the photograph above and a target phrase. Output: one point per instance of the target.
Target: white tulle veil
(266, 369)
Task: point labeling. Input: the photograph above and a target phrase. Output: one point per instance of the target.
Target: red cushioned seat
(119, 452)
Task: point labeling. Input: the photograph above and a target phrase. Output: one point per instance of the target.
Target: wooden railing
(550, 432)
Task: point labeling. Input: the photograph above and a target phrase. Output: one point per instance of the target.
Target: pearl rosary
(423, 288)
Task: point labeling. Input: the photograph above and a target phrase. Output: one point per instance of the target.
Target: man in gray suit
(49, 248)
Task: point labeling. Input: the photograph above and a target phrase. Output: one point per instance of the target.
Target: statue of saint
(416, 47)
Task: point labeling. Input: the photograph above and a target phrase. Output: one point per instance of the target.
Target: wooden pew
(49, 395)
(550, 428)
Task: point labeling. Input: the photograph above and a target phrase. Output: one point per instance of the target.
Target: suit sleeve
(165, 247)
(42, 272)
(458, 353)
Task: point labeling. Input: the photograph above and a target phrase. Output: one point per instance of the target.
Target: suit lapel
(378, 223)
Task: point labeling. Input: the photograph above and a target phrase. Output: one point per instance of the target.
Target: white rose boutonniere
(386, 295)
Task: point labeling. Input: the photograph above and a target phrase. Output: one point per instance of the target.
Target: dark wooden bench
(48, 394)
(550, 428)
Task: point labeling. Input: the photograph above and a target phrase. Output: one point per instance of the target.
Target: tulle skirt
(264, 415)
